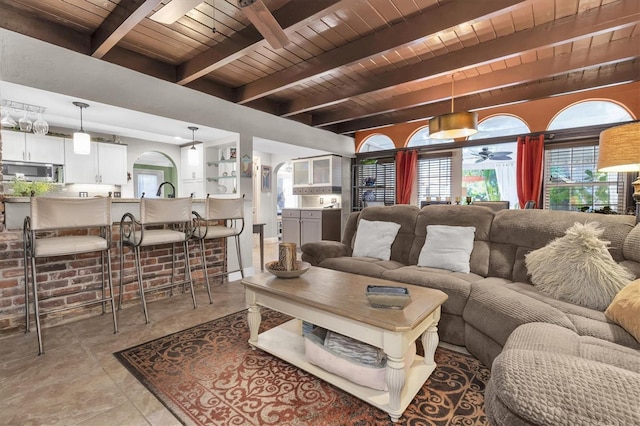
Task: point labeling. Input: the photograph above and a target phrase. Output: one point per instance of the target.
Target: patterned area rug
(209, 374)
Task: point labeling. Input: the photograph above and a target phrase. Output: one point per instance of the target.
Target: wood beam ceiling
(614, 52)
(610, 17)
(584, 80)
(291, 17)
(123, 19)
(404, 33)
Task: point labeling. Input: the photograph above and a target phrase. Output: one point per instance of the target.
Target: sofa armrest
(317, 251)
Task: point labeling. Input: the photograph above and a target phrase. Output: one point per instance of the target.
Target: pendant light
(192, 155)
(81, 140)
(453, 125)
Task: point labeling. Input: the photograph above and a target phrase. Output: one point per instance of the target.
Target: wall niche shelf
(217, 163)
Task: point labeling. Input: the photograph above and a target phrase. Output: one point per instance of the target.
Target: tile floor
(78, 381)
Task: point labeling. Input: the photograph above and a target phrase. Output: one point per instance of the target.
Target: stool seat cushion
(220, 232)
(61, 246)
(160, 236)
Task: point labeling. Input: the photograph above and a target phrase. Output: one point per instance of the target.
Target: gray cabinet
(302, 226)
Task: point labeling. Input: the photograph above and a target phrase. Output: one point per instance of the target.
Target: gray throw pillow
(578, 268)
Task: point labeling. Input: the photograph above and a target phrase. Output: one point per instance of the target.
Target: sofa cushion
(547, 375)
(367, 266)
(478, 217)
(403, 214)
(625, 309)
(514, 233)
(587, 322)
(578, 268)
(374, 239)
(447, 247)
(496, 310)
(457, 285)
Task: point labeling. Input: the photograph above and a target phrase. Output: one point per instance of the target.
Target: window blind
(572, 182)
(374, 184)
(434, 176)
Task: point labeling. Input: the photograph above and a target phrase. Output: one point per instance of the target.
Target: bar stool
(229, 211)
(162, 221)
(45, 236)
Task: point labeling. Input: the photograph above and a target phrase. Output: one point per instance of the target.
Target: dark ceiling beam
(23, 22)
(388, 39)
(606, 18)
(580, 81)
(144, 64)
(212, 88)
(616, 51)
(292, 16)
(123, 19)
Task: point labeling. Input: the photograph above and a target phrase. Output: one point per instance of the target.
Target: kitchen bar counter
(17, 208)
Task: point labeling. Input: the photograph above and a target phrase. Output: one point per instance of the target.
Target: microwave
(32, 171)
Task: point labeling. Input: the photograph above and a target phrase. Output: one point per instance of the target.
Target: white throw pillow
(578, 268)
(374, 239)
(448, 247)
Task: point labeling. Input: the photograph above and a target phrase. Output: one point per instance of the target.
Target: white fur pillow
(448, 247)
(578, 268)
(374, 239)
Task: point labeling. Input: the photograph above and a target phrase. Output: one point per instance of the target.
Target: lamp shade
(81, 143)
(619, 149)
(453, 125)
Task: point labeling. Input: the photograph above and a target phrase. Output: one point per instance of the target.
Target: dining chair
(222, 218)
(58, 227)
(161, 221)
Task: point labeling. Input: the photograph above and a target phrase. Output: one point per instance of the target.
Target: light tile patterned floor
(79, 382)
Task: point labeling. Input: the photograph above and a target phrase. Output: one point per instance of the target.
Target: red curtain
(529, 168)
(406, 164)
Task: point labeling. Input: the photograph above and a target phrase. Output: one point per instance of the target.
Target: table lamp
(619, 151)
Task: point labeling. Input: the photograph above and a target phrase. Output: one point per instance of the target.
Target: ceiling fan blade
(480, 160)
(501, 153)
(174, 10)
(265, 23)
(500, 157)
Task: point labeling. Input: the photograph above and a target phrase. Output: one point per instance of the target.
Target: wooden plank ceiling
(356, 64)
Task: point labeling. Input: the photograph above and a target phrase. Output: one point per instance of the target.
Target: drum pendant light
(454, 124)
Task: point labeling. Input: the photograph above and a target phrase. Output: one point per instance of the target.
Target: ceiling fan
(254, 10)
(484, 154)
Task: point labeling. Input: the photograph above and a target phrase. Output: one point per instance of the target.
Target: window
(374, 183)
(421, 138)
(434, 176)
(377, 143)
(146, 182)
(572, 181)
(500, 125)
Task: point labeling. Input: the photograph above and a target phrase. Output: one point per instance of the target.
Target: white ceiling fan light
(174, 10)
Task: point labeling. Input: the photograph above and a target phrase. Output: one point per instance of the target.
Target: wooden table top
(344, 294)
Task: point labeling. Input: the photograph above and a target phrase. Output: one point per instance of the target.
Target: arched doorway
(151, 169)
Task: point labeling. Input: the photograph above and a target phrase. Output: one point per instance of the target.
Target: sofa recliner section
(488, 308)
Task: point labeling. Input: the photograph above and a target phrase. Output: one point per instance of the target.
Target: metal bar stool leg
(140, 284)
(187, 271)
(112, 296)
(104, 303)
(206, 272)
(35, 304)
(27, 320)
(121, 273)
(239, 256)
(173, 269)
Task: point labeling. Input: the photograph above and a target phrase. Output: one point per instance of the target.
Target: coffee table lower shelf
(286, 342)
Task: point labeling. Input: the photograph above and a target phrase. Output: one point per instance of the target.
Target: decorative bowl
(276, 269)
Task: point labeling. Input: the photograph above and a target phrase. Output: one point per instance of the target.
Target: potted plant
(23, 188)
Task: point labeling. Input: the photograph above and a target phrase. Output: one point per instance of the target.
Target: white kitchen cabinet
(302, 226)
(20, 146)
(191, 186)
(318, 171)
(105, 164)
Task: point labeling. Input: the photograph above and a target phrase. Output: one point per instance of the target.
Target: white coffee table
(337, 301)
